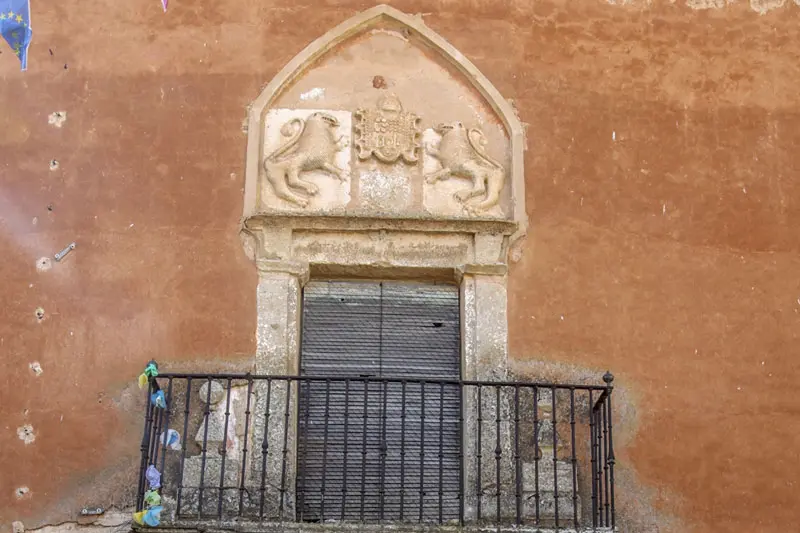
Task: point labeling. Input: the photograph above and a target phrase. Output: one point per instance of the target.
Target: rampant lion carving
(312, 145)
(461, 153)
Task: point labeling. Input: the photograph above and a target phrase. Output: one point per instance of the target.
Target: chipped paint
(43, 264)
(36, 368)
(57, 118)
(26, 434)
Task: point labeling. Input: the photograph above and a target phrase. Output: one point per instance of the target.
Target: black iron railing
(240, 447)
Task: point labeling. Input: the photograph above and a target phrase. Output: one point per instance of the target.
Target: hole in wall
(43, 264)
(57, 118)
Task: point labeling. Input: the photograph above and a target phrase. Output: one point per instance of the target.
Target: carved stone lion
(461, 153)
(311, 145)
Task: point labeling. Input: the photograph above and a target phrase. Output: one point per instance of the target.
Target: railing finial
(608, 377)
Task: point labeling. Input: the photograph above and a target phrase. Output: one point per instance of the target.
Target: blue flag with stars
(15, 26)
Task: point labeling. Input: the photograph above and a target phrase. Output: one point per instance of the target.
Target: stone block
(548, 476)
(211, 473)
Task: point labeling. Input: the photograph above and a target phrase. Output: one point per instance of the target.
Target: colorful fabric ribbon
(173, 439)
(152, 497)
(153, 477)
(150, 371)
(151, 517)
(158, 399)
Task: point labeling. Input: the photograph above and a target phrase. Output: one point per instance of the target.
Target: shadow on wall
(635, 502)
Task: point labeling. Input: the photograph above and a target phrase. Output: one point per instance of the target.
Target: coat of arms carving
(387, 132)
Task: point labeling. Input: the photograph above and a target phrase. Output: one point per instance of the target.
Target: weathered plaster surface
(670, 248)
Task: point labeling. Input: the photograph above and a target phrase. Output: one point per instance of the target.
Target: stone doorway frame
(289, 248)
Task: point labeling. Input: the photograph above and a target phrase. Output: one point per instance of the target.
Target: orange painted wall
(664, 198)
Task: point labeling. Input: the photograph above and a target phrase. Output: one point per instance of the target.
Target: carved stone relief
(387, 132)
(433, 140)
(461, 153)
(307, 162)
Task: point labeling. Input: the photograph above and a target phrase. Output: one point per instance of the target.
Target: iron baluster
(479, 486)
(168, 410)
(224, 451)
(497, 449)
(159, 418)
(183, 444)
(461, 486)
(537, 451)
(306, 400)
(555, 456)
(574, 458)
(346, 445)
(364, 449)
(265, 451)
(422, 452)
(605, 461)
(402, 449)
(592, 441)
(204, 448)
(382, 488)
(441, 450)
(285, 447)
(517, 464)
(244, 448)
(325, 448)
(608, 378)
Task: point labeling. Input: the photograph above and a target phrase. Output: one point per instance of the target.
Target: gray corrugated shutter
(353, 467)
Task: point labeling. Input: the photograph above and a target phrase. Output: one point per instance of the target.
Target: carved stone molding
(360, 166)
(387, 132)
(439, 150)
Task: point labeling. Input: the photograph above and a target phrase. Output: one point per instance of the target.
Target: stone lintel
(292, 243)
(352, 221)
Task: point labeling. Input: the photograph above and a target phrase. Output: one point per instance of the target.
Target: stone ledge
(353, 221)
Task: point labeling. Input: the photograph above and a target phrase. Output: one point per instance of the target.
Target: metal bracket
(60, 255)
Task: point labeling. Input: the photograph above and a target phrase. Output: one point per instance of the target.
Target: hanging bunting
(151, 517)
(150, 371)
(173, 439)
(153, 477)
(15, 26)
(152, 497)
(164, 4)
(158, 399)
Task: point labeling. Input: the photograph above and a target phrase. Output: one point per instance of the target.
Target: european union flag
(15, 25)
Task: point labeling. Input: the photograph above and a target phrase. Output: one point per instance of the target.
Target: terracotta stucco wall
(664, 201)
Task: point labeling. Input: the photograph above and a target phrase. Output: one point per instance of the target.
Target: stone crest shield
(387, 132)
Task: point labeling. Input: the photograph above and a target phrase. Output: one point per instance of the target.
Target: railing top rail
(476, 383)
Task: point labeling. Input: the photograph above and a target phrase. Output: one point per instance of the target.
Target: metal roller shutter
(365, 453)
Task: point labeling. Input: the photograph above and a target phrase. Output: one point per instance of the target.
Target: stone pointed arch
(351, 28)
